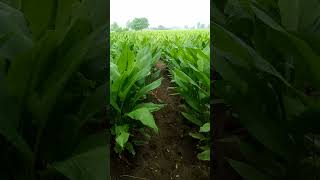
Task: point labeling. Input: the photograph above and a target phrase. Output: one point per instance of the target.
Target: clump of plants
(190, 70)
(130, 82)
(52, 95)
(267, 58)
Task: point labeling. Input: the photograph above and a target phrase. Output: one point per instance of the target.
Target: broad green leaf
(267, 19)
(55, 83)
(99, 139)
(307, 121)
(114, 72)
(279, 141)
(122, 135)
(197, 135)
(204, 155)
(185, 78)
(125, 60)
(192, 102)
(248, 172)
(122, 139)
(192, 118)
(90, 165)
(150, 106)
(130, 148)
(145, 117)
(290, 12)
(63, 13)
(205, 128)
(148, 88)
(262, 159)
(9, 122)
(309, 15)
(14, 26)
(218, 16)
(94, 103)
(96, 11)
(41, 18)
(303, 48)
(228, 42)
(13, 3)
(225, 69)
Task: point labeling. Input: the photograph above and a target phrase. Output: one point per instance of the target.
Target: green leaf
(150, 106)
(9, 120)
(114, 72)
(40, 15)
(93, 103)
(130, 148)
(145, 117)
(13, 3)
(248, 172)
(122, 139)
(14, 26)
(192, 118)
(126, 59)
(204, 155)
(290, 12)
(53, 86)
(91, 165)
(278, 141)
(307, 121)
(228, 42)
(205, 128)
(64, 13)
(147, 89)
(197, 135)
(309, 56)
(122, 135)
(228, 73)
(185, 78)
(97, 11)
(99, 139)
(267, 19)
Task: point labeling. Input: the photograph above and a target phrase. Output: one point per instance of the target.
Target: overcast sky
(168, 13)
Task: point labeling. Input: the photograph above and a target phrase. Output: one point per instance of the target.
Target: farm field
(160, 92)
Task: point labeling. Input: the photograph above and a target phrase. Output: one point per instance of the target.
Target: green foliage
(266, 53)
(115, 27)
(186, 54)
(47, 85)
(138, 24)
(131, 81)
(190, 69)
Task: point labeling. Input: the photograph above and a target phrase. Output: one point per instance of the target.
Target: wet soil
(171, 154)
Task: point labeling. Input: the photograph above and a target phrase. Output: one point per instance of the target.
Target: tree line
(138, 24)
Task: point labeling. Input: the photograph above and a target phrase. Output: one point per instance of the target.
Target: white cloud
(161, 12)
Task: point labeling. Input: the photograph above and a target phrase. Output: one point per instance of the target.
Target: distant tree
(161, 27)
(186, 27)
(115, 27)
(202, 26)
(139, 24)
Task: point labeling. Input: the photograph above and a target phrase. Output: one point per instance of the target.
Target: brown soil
(169, 155)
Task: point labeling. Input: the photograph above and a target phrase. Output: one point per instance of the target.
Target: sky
(168, 13)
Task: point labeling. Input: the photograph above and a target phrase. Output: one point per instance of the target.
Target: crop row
(133, 76)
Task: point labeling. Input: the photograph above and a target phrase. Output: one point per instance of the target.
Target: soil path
(169, 155)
